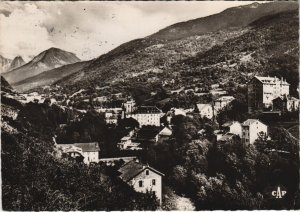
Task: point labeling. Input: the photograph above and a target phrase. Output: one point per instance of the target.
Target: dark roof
(279, 98)
(147, 109)
(88, 147)
(285, 97)
(227, 137)
(229, 123)
(145, 133)
(132, 168)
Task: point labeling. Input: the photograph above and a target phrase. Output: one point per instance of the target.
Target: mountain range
(234, 44)
(49, 59)
(7, 65)
(237, 51)
(49, 77)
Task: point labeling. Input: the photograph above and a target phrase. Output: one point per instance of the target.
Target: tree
(34, 179)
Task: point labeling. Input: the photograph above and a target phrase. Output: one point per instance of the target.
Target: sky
(90, 29)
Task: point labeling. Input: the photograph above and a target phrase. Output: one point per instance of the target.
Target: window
(141, 184)
(147, 172)
(153, 182)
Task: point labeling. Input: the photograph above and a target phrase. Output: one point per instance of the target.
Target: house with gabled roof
(143, 178)
(71, 150)
(251, 129)
(206, 110)
(233, 127)
(165, 134)
(90, 151)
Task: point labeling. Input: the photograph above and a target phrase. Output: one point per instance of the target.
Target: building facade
(251, 129)
(262, 90)
(142, 178)
(206, 110)
(90, 151)
(222, 102)
(129, 106)
(146, 115)
(71, 150)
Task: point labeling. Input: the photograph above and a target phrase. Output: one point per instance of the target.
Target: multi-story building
(111, 117)
(142, 178)
(146, 115)
(222, 102)
(251, 129)
(262, 90)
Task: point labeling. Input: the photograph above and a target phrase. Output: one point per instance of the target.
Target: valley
(201, 115)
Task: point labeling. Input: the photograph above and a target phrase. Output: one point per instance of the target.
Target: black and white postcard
(149, 105)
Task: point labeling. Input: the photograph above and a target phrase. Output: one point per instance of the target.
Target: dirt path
(173, 202)
(184, 204)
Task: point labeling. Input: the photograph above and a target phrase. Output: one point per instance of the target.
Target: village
(150, 106)
(266, 95)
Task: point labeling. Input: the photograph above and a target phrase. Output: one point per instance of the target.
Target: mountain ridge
(49, 77)
(154, 52)
(135, 57)
(16, 62)
(44, 61)
(246, 14)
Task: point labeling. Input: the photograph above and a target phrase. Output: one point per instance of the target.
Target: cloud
(90, 29)
(22, 33)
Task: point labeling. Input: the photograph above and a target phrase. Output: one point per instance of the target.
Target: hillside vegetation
(268, 46)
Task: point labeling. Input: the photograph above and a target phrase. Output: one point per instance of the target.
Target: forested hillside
(268, 46)
(35, 178)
